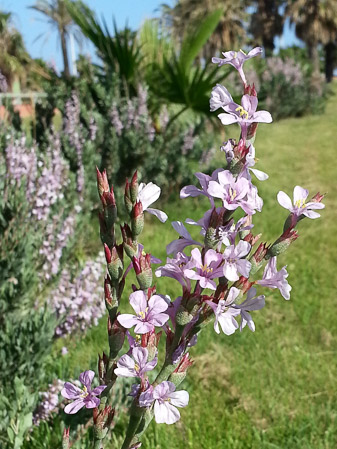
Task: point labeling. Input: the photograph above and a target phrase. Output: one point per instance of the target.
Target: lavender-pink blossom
(136, 366)
(148, 313)
(85, 397)
(166, 399)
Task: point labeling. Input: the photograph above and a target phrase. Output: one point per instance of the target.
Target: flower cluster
(219, 277)
(78, 302)
(49, 403)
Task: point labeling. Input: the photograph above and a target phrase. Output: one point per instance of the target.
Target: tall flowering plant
(218, 277)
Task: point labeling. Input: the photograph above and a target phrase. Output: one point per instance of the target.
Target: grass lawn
(275, 388)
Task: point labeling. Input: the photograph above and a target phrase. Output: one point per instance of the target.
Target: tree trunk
(330, 60)
(314, 57)
(268, 45)
(65, 54)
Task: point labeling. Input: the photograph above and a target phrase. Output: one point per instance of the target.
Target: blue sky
(31, 24)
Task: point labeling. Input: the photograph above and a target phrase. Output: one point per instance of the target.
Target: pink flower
(276, 279)
(206, 271)
(300, 207)
(225, 314)
(237, 59)
(234, 262)
(165, 399)
(136, 366)
(85, 397)
(244, 114)
(149, 313)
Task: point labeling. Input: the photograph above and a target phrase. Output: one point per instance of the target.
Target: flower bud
(115, 265)
(137, 219)
(143, 270)
(107, 236)
(110, 295)
(183, 316)
(317, 198)
(251, 133)
(130, 246)
(102, 421)
(134, 187)
(116, 334)
(102, 182)
(282, 243)
(102, 367)
(243, 284)
(180, 372)
(65, 438)
(127, 198)
(150, 341)
(257, 258)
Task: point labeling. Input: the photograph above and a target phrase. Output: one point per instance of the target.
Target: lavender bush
(220, 279)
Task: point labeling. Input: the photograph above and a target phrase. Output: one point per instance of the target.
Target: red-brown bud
(137, 219)
(116, 334)
(317, 198)
(134, 187)
(65, 438)
(282, 243)
(102, 182)
(107, 253)
(130, 246)
(243, 284)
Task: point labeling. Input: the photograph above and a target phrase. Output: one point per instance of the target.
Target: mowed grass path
(275, 388)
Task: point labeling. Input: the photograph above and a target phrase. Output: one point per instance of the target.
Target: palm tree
(316, 22)
(14, 59)
(230, 31)
(266, 23)
(58, 17)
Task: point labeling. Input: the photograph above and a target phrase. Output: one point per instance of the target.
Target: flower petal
(284, 200)
(165, 413)
(179, 398)
(158, 213)
(138, 301)
(86, 378)
(74, 407)
(71, 391)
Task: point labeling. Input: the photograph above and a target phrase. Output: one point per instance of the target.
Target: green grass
(275, 388)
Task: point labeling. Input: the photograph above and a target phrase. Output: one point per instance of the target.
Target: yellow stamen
(142, 315)
(243, 52)
(300, 203)
(207, 269)
(84, 392)
(232, 193)
(136, 367)
(242, 111)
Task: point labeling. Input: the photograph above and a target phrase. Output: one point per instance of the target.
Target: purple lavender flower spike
(149, 313)
(148, 194)
(244, 114)
(185, 239)
(165, 399)
(206, 271)
(234, 264)
(276, 279)
(237, 59)
(136, 366)
(225, 314)
(251, 303)
(85, 397)
(300, 207)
